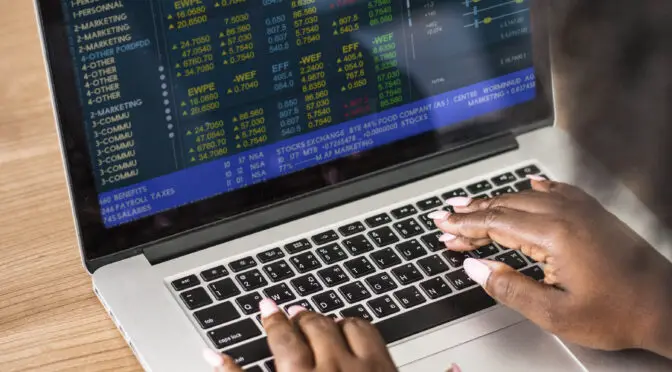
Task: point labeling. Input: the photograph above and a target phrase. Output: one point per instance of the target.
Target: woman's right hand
(604, 288)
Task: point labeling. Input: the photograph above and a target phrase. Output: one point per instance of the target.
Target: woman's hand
(605, 287)
(308, 341)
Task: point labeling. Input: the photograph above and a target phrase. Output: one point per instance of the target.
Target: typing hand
(604, 286)
(308, 341)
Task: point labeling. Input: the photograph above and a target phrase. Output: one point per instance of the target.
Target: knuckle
(491, 216)
(315, 321)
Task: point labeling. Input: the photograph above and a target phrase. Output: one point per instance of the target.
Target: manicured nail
(268, 307)
(535, 177)
(454, 368)
(213, 358)
(459, 201)
(447, 237)
(438, 215)
(293, 310)
(477, 270)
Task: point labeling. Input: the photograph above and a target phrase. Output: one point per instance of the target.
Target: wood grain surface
(50, 319)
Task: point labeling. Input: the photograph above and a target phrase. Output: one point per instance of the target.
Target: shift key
(234, 333)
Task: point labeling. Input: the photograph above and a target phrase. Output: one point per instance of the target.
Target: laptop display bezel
(98, 242)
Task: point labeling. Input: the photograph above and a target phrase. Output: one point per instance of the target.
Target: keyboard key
(359, 267)
(378, 220)
(403, 212)
(270, 255)
(502, 191)
(250, 352)
(196, 298)
(332, 275)
(279, 293)
(303, 303)
(354, 292)
(381, 283)
(278, 271)
(251, 280)
(224, 289)
(306, 285)
(409, 297)
(258, 369)
(385, 258)
(534, 272)
(430, 203)
(432, 265)
(383, 306)
(357, 245)
(432, 241)
(270, 365)
(331, 253)
(216, 315)
(242, 264)
(325, 237)
(406, 274)
(435, 288)
(305, 262)
(234, 333)
(186, 282)
(486, 251)
(454, 194)
(513, 259)
(503, 179)
(479, 187)
(410, 250)
(351, 228)
(298, 246)
(383, 236)
(481, 196)
(357, 311)
(327, 301)
(523, 185)
(214, 273)
(525, 171)
(459, 279)
(434, 314)
(249, 304)
(408, 228)
(456, 259)
(428, 222)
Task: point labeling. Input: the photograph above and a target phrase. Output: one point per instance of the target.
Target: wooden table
(50, 319)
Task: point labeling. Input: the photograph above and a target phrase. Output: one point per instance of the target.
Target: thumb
(535, 300)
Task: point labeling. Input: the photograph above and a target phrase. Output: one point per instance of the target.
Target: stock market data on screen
(186, 99)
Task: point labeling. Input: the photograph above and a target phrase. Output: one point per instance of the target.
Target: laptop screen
(203, 109)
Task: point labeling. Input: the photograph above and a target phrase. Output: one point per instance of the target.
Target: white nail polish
(477, 271)
(438, 215)
(213, 358)
(447, 237)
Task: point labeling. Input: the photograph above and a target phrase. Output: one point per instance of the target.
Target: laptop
(222, 151)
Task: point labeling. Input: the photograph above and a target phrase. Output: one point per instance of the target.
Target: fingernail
(459, 201)
(268, 307)
(535, 177)
(213, 358)
(293, 310)
(447, 237)
(454, 368)
(477, 270)
(438, 215)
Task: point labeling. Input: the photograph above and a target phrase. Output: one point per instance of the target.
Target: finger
(527, 201)
(536, 301)
(324, 337)
(461, 244)
(364, 339)
(220, 362)
(511, 228)
(287, 344)
(566, 190)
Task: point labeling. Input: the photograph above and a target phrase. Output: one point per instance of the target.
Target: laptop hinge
(233, 228)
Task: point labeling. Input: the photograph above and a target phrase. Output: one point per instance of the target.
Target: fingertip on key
(459, 201)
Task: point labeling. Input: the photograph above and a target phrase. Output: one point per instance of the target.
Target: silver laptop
(223, 151)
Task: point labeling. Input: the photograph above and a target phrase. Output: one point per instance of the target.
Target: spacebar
(434, 314)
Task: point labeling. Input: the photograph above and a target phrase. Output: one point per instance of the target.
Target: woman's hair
(612, 61)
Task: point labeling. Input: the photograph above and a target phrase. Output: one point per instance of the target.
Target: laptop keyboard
(387, 267)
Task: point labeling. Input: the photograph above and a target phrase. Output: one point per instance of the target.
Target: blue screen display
(187, 99)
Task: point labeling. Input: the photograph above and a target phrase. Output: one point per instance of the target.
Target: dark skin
(605, 287)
